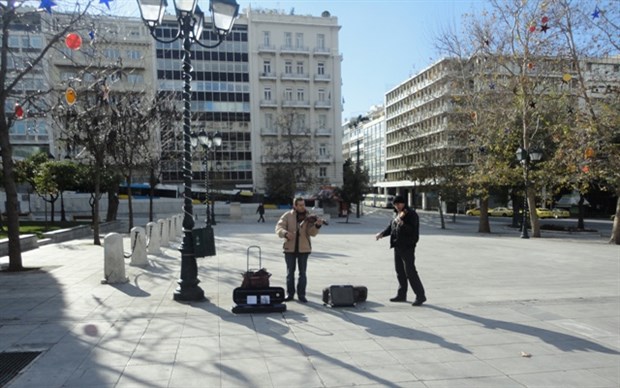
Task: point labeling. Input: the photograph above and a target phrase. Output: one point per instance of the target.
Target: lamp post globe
(190, 21)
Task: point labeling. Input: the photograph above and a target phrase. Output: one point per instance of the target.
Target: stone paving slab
(492, 298)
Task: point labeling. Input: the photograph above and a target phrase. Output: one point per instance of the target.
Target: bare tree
(36, 25)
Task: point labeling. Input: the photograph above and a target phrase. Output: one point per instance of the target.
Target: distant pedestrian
(296, 227)
(261, 212)
(404, 232)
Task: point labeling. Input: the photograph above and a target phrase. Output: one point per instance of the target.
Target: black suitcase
(340, 296)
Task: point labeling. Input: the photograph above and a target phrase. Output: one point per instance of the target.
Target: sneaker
(289, 298)
(398, 299)
(419, 301)
(303, 299)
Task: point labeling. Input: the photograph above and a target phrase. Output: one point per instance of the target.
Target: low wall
(27, 242)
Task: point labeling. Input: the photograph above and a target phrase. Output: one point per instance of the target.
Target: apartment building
(294, 64)
(31, 133)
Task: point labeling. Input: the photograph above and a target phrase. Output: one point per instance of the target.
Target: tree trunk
(531, 201)
(483, 225)
(615, 231)
(12, 202)
(443, 223)
(63, 215)
(112, 205)
(580, 223)
(129, 202)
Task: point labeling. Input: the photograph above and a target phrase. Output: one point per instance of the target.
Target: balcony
(294, 50)
(267, 76)
(321, 51)
(268, 103)
(323, 132)
(295, 77)
(323, 104)
(296, 104)
(266, 48)
(322, 78)
(269, 132)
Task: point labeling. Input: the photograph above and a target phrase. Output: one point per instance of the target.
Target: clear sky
(383, 42)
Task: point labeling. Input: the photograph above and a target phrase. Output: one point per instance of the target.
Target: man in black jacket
(404, 232)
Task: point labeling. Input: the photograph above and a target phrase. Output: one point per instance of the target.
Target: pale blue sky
(383, 42)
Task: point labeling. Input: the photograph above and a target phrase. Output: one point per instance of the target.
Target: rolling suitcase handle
(260, 257)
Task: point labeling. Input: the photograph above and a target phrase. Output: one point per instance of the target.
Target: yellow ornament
(70, 96)
(567, 77)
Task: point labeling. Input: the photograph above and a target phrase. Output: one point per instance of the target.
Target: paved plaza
(502, 312)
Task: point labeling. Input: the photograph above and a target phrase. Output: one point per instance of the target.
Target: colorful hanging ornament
(73, 41)
(544, 28)
(106, 2)
(596, 12)
(566, 78)
(530, 65)
(47, 5)
(70, 96)
(492, 86)
(19, 111)
(91, 35)
(533, 28)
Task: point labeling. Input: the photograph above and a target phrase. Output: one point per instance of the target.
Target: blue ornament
(106, 2)
(47, 5)
(596, 12)
(91, 34)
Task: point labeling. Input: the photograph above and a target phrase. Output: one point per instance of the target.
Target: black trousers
(404, 263)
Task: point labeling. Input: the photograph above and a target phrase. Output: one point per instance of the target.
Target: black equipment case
(258, 300)
(344, 295)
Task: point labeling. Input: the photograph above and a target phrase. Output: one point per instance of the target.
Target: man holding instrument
(296, 227)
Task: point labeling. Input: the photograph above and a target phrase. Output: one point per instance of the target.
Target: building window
(300, 95)
(268, 120)
(320, 41)
(267, 94)
(322, 150)
(321, 94)
(288, 39)
(266, 38)
(322, 172)
(300, 67)
(299, 40)
(267, 67)
(288, 94)
(322, 121)
(320, 68)
(301, 122)
(288, 67)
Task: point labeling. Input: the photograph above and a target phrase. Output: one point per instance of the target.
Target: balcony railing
(296, 104)
(295, 50)
(268, 103)
(322, 77)
(321, 51)
(323, 104)
(295, 76)
(266, 47)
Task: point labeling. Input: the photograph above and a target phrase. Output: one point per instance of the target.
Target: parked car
(544, 213)
(501, 212)
(560, 213)
(473, 212)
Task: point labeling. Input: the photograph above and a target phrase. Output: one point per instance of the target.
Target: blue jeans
(291, 262)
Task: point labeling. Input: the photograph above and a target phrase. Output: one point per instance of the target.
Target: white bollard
(180, 225)
(114, 259)
(138, 247)
(171, 231)
(154, 239)
(163, 233)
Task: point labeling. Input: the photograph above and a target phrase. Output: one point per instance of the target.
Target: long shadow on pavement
(565, 342)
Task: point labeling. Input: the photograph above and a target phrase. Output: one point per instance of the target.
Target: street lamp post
(526, 157)
(209, 142)
(190, 22)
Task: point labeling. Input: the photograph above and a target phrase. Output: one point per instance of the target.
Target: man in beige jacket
(296, 227)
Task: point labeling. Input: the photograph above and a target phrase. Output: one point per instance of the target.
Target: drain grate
(12, 363)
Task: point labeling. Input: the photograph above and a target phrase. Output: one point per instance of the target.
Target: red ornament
(544, 20)
(73, 41)
(19, 111)
(532, 28)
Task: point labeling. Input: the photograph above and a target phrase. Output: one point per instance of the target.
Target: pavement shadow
(278, 334)
(387, 329)
(562, 341)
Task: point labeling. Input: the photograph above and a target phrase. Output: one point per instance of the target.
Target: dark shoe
(419, 301)
(303, 299)
(289, 298)
(399, 299)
